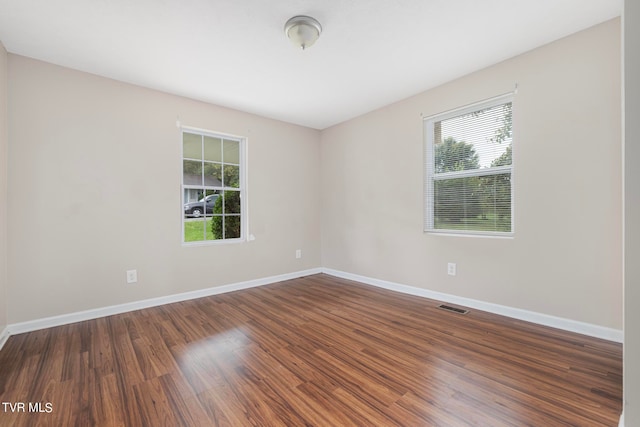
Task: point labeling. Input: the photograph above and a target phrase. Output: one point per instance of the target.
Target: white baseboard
(542, 319)
(48, 322)
(621, 423)
(4, 336)
(609, 334)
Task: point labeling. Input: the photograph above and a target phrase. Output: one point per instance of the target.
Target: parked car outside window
(202, 206)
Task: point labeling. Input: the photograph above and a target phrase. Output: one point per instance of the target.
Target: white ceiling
(234, 53)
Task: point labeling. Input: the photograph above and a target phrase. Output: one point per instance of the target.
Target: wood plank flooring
(315, 351)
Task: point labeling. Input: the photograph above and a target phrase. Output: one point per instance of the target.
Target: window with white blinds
(469, 168)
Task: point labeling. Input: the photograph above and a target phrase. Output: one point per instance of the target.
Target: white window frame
(244, 204)
(430, 176)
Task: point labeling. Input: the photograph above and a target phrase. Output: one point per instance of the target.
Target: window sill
(214, 242)
(452, 233)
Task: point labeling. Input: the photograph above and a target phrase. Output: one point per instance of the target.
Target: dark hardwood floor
(312, 351)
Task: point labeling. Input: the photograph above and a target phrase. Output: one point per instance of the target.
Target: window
(213, 185)
(469, 169)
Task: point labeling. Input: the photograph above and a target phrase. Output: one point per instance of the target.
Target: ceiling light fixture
(302, 30)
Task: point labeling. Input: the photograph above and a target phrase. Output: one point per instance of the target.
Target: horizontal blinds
(469, 169)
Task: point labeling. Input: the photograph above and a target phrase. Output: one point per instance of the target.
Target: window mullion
(472, 172)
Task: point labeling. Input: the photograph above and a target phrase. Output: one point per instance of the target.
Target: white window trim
(430, 176)
(244, 202)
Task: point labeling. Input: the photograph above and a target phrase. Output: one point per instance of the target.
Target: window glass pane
(474, 140)
(231, 202)
(479, 203)
(191, 146)
(232, 227)
(231, 151)
(194, 203)
(210, 201)
(192, 172)
(212, 149)
(232, 176)
(194, 229)
(217, 223)
(192, 195)
(213, 174)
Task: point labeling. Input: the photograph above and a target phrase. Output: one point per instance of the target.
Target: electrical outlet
(298, 253)
(132, 276)
(451, 269)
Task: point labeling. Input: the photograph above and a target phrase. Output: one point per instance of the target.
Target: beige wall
(565, 259)
(95, 190)
(632, 213)
(4, 135)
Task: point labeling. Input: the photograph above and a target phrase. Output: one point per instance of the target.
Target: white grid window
(469, 169)
(212, 187)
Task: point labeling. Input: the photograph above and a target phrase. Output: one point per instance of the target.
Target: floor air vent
(453, 309)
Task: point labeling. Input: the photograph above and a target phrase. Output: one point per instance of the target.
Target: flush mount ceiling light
(302, 30)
